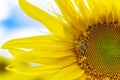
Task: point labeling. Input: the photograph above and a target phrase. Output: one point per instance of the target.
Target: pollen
(99, 52)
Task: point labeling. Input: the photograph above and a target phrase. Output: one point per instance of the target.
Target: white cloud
(4, 10)
(27, 31)
(12, 3)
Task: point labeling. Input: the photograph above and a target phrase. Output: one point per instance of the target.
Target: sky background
(14, 23)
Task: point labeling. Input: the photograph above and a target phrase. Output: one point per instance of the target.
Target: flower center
(2, 67)
(101, 52)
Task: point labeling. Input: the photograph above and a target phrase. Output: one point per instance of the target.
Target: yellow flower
(8, 75)
(84, 44)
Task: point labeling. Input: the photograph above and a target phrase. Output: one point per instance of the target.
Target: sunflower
(8, 75)
(84, 43)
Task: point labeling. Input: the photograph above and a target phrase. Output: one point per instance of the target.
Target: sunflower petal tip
(6, 45)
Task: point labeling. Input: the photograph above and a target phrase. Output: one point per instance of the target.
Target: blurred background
(14, 23)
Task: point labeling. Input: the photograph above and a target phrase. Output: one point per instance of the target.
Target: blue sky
(18, 19)
(14, 23)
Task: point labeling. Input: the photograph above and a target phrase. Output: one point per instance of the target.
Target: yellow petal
(84, 10)
(100, 10)
(116, 9)
(53, 61)
(71, 15)
(42, 71)
(42, 54)
(67, 9)
(47, 42)
(16, 53)
(53, 24)
(63, 58)
(71, 72)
